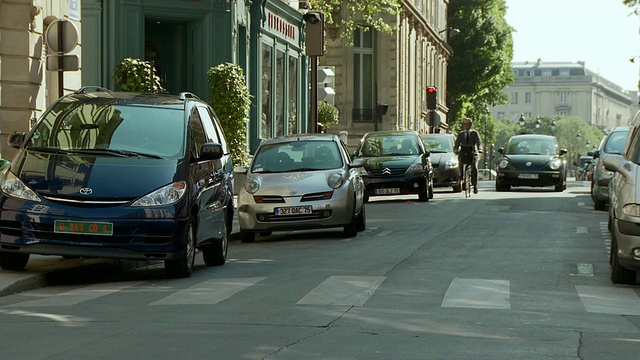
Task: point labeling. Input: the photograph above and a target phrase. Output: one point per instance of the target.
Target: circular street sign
(61, 36)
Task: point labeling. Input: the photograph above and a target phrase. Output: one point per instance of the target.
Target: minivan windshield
(110, 130)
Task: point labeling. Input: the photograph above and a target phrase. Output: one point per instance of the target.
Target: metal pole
(313, 120)
(60, 59)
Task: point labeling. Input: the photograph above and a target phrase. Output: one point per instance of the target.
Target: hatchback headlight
(362, 171)
(502, 164)
(335, 180)
(452, 163)
(415, 168)
(14, 187)
(252, 185)
(631, 210)
(166, 195)
(555, 164)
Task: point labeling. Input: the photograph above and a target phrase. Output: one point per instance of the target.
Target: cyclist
(467, 146)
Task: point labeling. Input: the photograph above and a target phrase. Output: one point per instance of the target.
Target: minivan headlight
(452, 163)
(166, 195)
(14, 187)
(555, 164)
(415, 168)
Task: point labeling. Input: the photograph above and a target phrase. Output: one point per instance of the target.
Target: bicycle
(467, 180)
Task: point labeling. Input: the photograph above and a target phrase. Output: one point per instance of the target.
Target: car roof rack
(187, 95)
(90, 89)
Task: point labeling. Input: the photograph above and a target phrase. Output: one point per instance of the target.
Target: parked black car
(396, 164)
(446, 167)
(119, 175)
(531, 160)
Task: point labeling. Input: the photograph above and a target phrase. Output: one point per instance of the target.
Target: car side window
(221, 137)
(632, 150)
(196, 129)
(207, 123)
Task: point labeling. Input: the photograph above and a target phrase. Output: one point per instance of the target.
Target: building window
(293, 94)
(500, 115)
(563, 97)
(527, 97)
(546, 72)
(527, 73)
(514, 98)
(280, 69)
(363, 92)
(564, 73)
(563, 113)
(266, 120)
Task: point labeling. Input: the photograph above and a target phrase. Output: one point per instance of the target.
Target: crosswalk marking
(209, 292)
(343, 290)
(77, 296)
(478, 293)
(609, 300)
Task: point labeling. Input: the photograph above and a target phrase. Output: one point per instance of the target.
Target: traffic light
(432, 98)
(314, 33)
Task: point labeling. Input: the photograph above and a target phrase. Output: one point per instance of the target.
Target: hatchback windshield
(438, 144)
(297, 156)
(110, 128)
(534, 146)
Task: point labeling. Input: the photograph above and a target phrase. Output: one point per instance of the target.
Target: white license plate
(527, 176)
(387, 191)
(293, 210)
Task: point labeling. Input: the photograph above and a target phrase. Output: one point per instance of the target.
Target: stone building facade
(566, 89)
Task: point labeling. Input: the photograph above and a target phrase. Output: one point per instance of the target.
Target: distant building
(566, 89)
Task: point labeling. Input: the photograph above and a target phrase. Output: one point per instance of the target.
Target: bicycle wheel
(467, 180)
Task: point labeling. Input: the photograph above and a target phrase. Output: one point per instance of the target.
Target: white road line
(384, 233)
(609, 300)
(585, 270)
(478, 293)
(343, 290)
(208, 292)
(582, 230)
(77, 296)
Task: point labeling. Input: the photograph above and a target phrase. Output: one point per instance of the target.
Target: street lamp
(521, 120)
(538, 123)
(484, 141)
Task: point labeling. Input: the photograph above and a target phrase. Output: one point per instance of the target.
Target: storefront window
(293, 94)
(266, 116)
(280, 68)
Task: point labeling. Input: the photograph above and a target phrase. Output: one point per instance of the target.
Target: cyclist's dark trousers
(474, 171)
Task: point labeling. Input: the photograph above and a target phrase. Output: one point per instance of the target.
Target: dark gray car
(446, 168)
(612, 143)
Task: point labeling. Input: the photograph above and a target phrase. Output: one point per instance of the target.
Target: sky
(599, 32)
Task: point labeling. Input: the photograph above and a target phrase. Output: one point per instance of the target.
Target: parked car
(300, 182)
(612, 143)
(581, 167)
(396, 163)
(119, 175)
(531, 160)
(624, 208)
(446, 168)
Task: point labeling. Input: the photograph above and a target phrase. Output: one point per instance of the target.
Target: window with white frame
(363, 91)
(527, 97)
(514, 98)
(563, 97)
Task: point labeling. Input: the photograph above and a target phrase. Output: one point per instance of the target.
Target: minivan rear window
(133, 128)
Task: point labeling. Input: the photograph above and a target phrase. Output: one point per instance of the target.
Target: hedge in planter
(230, 99)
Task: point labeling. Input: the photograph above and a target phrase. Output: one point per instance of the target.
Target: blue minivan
(119, 175)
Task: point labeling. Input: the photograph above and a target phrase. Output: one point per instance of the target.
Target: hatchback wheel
(620, 274)
(216, 254)
(351, 229)
(13, 261)
(361, 222)
(183, 265)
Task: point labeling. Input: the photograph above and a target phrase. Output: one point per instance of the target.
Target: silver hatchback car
(299, 182)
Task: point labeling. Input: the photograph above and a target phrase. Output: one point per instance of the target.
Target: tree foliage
(135, 75)
(230, 100)
(480, 66)
(328, 114)
(343, 17)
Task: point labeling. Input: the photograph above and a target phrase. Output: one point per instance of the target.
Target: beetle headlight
(164, 196)
(252, 185)
(555, 164)
(335, 180)
(502, 164)
(14, 187)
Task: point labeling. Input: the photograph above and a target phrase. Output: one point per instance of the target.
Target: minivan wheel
(13, 261)
(183, 265)
(620, 274)
(216, 254)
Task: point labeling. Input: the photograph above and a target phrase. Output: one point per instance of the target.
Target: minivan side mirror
(618, 164)
(211, 151)
(16, 139)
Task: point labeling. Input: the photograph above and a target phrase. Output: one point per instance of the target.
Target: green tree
(480, 66)
(135, 75)
(343, 17)
(328, 114)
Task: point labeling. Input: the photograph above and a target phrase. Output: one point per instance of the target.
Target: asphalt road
(513, 275)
